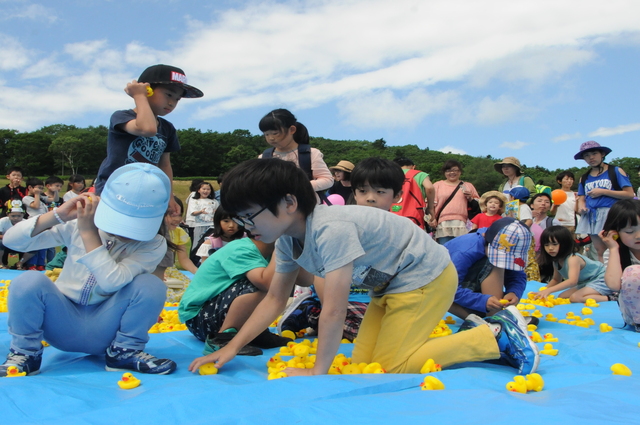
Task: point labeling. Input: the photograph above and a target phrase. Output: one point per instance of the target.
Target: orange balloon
(558, 196)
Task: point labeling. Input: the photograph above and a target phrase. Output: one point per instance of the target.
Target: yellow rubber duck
(276, 375)
(351, 369)
(586, 311)
(430, 366)
(149, 91)
(373, 368)
(590, 302)
(518, 385)
(550, 338)
(431, 383)
(550, 318)
(604, 327)
(549, 350)
(450, 320)
(537, 313)
(534, 382)
(620, 369)
(289, 334)
(128, 381)
(208, 369)
(535, 337)
(14, 372)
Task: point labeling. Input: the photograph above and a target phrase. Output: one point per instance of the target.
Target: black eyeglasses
(247, 221)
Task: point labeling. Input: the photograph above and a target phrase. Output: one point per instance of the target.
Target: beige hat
(343, 166)
(511, 160)
(492, 194)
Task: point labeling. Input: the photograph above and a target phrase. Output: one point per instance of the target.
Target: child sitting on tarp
(177, 240)
(224, 292)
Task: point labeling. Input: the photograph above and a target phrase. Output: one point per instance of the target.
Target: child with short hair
(565, 213)
(377, 182)
(492, 205)
(105, 299)
(579, 276)
(36, 203)
(621, 233)
(411, 279)
(13, 190)
(53, 186)
(142, 134)
(76, 186)
(15, 215)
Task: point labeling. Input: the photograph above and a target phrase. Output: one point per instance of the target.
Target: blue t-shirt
(124, 148)
(465, 251)
(601, 182)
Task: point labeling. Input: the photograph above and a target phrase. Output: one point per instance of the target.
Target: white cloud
(514, 145)
(385, 109)
(35, 12)
(565, 137)
(452, 149)
(369, 56)
(614, 131)
(12, 54)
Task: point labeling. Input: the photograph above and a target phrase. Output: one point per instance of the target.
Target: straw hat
(591, 146)
(492, 194)
(343, 166)
(511, 160)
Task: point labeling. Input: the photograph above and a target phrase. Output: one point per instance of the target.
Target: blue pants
(38, 310)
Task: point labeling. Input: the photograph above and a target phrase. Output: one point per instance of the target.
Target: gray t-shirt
(390, 254)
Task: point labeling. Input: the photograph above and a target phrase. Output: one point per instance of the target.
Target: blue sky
(531, 79)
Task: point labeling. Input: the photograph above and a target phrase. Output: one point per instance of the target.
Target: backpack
(412, 204)
(304, 162)
(540, 188)
(611, 171)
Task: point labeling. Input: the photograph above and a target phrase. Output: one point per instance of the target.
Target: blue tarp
(579, 387)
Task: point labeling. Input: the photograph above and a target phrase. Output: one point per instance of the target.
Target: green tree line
(66, 149)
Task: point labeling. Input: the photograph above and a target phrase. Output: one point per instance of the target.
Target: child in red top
(492, 205)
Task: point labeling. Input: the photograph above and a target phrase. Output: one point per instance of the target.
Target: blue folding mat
(579, 386)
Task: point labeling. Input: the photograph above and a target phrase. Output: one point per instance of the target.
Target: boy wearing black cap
(140, 134)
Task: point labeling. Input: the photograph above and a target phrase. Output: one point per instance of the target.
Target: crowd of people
(286, 225)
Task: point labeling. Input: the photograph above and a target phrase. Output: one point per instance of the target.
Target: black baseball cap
(167, 74)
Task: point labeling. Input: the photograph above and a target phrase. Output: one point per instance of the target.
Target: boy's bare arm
(145, 124)
(261, 277)
(334, 310)
(165, 165)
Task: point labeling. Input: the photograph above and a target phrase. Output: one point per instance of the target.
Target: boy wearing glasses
(411, 279)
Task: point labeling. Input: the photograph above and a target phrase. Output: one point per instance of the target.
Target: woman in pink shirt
(452, 218)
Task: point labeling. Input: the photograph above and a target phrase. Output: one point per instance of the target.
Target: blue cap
(520, 193)
(134, 201)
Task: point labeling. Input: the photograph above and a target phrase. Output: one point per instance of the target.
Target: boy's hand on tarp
(220, 358)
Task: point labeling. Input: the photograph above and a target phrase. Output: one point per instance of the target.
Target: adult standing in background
(510, 167)
(451, 198)
(342, 180)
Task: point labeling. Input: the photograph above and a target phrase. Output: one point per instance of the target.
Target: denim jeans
(38, 310)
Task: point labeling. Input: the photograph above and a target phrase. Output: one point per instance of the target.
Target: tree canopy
(66, 149)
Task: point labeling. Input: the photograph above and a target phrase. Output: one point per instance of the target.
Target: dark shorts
(213, 312)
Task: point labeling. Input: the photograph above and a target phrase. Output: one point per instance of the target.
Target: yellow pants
(396, 327)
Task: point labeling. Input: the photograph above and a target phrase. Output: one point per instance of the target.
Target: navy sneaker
(223, 338)
(296, 317)
(516, 348)
(119, 358)
(23, 362)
